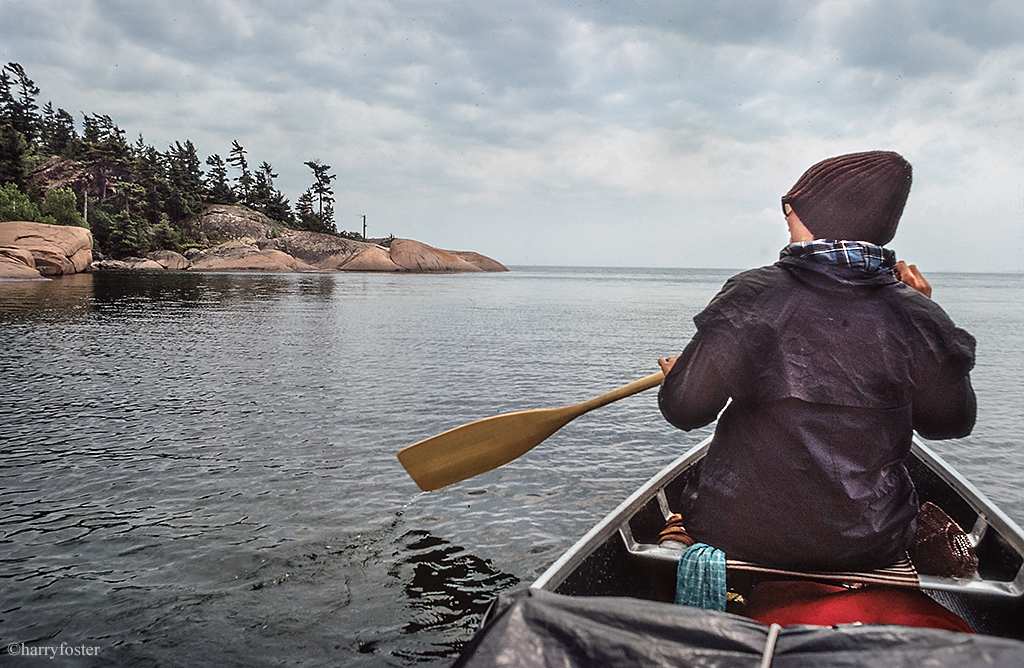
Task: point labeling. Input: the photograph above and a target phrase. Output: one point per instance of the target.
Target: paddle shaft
(486, 444)
(637, 386)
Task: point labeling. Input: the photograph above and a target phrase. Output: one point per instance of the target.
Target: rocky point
(249, 241)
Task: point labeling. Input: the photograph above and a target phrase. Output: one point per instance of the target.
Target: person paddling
(825, 362)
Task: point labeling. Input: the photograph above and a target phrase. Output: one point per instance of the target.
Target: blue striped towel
(700, 578)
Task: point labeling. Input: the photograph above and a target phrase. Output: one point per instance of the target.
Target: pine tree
(58, 135)
(304, 209)
(128, 236)
(268, 199)
(22, 111)
(14, 152)
(6, 98)
(321, 192)
(263, 185)
(216, 189)
(236, 158)
(14, 145)
(99, 128)
(105, 152)
(145, 186)
(185, 181)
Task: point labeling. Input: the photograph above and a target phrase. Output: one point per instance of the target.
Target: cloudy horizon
(569, 133)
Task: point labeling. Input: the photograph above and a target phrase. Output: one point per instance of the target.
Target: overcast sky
(607, 132)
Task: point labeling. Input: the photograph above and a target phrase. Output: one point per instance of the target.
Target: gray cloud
(542, 131)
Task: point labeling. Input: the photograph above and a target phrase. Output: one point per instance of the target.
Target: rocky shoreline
(252, 242)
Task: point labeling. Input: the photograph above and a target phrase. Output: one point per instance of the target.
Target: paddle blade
(479, 446)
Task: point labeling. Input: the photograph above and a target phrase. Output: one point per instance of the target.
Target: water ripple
(200, 468)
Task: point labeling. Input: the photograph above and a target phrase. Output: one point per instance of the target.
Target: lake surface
(199, 469)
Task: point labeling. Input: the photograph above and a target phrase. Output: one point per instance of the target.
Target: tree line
(132, 196)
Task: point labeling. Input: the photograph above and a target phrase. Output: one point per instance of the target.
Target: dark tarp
(538, 628)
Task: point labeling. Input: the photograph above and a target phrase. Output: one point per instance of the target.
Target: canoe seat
(941, 549)
(998, 576)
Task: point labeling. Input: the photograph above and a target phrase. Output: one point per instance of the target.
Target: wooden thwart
(900, 574)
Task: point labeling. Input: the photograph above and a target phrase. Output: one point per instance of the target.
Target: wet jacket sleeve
(946, 410)
(944, 405)
(943, 401)
(693, 393)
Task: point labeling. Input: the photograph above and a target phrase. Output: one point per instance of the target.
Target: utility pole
(364, 228)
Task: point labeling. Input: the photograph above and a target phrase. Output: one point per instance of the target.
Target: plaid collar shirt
(860, 255)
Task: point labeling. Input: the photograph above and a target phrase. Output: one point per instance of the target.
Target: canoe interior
(620, 556)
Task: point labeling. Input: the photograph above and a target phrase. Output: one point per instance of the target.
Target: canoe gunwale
(607, 527)
(989, 518)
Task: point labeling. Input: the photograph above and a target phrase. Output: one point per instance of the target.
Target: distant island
(75, 201)
(238, 239)
(250, 241)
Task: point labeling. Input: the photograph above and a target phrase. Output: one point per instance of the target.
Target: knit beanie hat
(854, 197)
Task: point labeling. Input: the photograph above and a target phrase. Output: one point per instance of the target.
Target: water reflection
(194, 289)
(62, 294)
(317, 286)
(448, 589)
(199, 468)
(125, 290)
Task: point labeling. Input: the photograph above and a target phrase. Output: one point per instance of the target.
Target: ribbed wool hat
(854, 197)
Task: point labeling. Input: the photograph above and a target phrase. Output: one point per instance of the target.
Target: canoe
(607, 600)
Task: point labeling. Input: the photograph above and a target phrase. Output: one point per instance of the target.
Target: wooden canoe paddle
(486, 444)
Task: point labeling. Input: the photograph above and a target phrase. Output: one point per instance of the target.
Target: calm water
(199, 469)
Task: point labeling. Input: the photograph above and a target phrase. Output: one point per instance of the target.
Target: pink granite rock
(169, 260)
(374, 258)
(415, 256)
(55, 249)
(482, 261)
(17, 263)
(265, 260)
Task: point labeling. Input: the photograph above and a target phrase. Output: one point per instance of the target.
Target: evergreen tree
(22, 111)
(58, 135)
(322, 220)
(6, 98)
(15, 146)
(185, 180)
(100, 128)
(128, 236)
(216, 189)
(106, 153)
(100, 224)
(166, 235)
(14, 152)
(268, 199)
(280, 209)
(327, 217)
(263, 185)
(145, 186)
(305, 215)
(236, 158)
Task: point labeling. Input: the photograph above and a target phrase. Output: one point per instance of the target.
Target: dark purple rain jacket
(829, 370)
